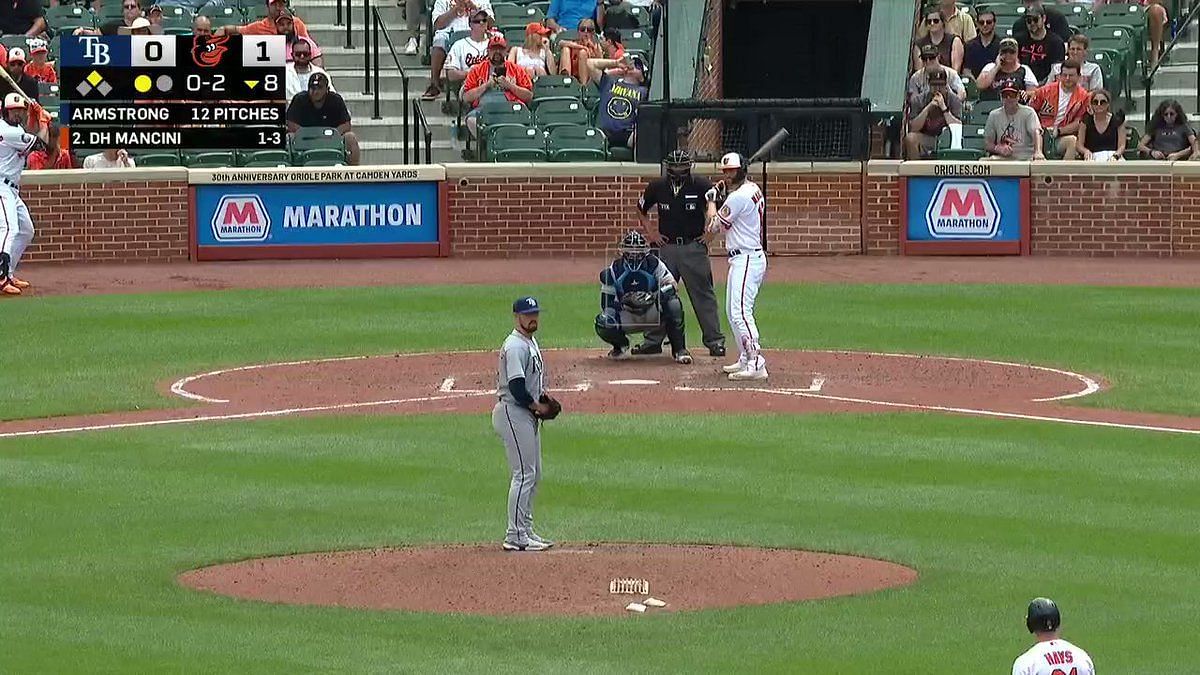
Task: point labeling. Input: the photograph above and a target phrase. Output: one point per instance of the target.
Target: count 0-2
(194, 82)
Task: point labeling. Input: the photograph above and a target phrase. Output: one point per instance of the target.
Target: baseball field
(993, 481)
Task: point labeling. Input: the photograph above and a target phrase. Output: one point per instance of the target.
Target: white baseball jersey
(460, 21)
(741, 216)
(15, 146)
(1056, 657)
(467, 52)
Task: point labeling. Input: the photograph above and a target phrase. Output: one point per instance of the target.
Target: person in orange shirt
(1060, 106)
(40, 69)
(495, 78)
(267, 25)
(53, 157)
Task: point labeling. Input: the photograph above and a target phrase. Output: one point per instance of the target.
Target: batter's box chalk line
(447, 387)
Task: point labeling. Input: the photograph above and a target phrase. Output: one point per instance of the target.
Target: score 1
(269, 52)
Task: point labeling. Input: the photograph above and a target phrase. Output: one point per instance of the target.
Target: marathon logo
(241, 218)
(963, 209)
(353, 215)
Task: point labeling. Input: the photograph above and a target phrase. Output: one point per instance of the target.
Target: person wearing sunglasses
(956, 21)
(918, 82)
(1091, 77)
(1169, 137)
(1102, 135)
(1012, 131)
(466, 52)
(932, 114)
(984, 48)
(130, 12)
(1055, 21)
(949, 46)
(1040, 48)
(575, 53)
(449, 16)
(1005, 71)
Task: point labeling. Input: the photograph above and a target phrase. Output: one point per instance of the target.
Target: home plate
(633, 382)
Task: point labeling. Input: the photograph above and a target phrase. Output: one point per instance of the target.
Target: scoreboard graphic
(174, 91)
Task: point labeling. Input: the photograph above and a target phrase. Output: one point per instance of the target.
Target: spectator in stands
(16, 70)
(202, 26)
(414, 11)
(1004, 71)
(449, 16)
(622, 90)
(155, 16)
(535, 55)
(109, 159)
(52, 157)
(918, 82)
(495, 79)
(1055, 21)
(469, 51)
(1168, 136)
(1012, 131)
(575, 53)
(949, 46)
(1157, 19)
(141, 26)
(130, 12)
(1061, 106)
(39, 68)
(300, 69)
(1102, 135)
(320, 107)
(269, 25)
(616, 14)
(1091, 77)
(931, 114)
(1040, 48)
(286, 25)
(22, 17)
(613, 43)
(563, 13)
(956, 21)
(984, 48)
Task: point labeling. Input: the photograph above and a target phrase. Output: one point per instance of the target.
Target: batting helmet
(14, 100)
(634, 247)
(1042, 616)
(678, 165)
(733, 160)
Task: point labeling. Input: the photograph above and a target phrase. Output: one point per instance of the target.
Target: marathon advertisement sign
(965, 215)
(247, 222)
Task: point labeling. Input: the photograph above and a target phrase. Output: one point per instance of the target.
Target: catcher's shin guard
(609, 330)
(672, 319)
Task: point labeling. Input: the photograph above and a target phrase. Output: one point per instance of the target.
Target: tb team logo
(963, 209)
(239, 218)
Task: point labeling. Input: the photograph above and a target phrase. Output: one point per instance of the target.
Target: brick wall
(1102, 216)
(881, 215)
(1186, 215)
(513, 217)
(127, 221)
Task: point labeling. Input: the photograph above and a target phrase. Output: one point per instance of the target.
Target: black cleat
(647, 348)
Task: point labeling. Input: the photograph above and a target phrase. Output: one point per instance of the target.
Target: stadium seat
(271, 157)
(511, 143)
(47, 89)
(210, 160)
(69, 17)
(510, 14)
(577, 143)
(552, 113)
(254, 12)
(158, 159)
(637, 40)
(626, 16)
(964, 154)
(322, 157)
(11, 41)
(458, 35)
(591, 95)
(556, 87)
(308, 138)
(499, 112)
(1078, 16)
(111, 11)
(569, 34)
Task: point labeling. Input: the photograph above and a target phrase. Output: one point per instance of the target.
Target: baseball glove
(555, 407)
(638, 301)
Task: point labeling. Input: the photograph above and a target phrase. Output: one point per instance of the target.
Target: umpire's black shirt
(680, 212)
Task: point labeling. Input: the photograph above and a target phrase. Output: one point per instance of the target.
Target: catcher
(638, 294)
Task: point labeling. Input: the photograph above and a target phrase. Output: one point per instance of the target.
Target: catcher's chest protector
(636, 280)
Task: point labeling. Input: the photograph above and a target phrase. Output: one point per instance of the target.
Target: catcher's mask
(678, 165)
(634, 248)
(733, 165)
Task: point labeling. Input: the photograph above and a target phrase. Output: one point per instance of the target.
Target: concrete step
(391, 130)
(326, 12)
(393, 153)
(351, 79)
(330, 34)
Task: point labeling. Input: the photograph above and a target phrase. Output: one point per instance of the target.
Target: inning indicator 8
(173, 67)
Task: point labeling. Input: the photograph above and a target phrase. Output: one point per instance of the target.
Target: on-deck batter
(740, 219)
(520, 383)
(21, 133)
(1050, 655)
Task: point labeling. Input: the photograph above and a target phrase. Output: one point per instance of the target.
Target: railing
(349, 18)
(1183, 25)
(371, 70)
(420, 131)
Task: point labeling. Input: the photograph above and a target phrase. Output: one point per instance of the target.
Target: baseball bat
(766, 149)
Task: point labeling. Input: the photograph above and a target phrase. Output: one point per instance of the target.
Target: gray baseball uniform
(518, 429)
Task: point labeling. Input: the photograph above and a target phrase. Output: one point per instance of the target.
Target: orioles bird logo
(207, 51)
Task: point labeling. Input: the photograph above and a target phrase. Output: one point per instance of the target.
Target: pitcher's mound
(565, 580)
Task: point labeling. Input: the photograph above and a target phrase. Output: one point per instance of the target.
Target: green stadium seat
(111, 11)
(47, 89)
(626, 16)
(310, 138)
(1078, 16)
(515, 36)
(325, 157)
(511, 143)
(158, 159)
(963, 154)
(620, 154)
(552, 113)
(591, 95)
(15, 41)
(69, 17)
(569, 34)
(254, 12)
(267, 157)
(176, 11)
(458, 35)
(577, 143)
(510, 14)
(637, 40)
(556, 87)
(210, 160)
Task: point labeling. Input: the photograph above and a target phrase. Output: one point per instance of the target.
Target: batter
(740, 220)
(20, 134)
(520, 384)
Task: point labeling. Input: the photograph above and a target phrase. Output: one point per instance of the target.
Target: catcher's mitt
(555, 407)
(638, 301)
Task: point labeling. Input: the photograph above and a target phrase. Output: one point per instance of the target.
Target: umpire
(681, 207)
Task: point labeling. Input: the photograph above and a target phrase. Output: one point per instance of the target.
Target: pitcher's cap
(526, 305)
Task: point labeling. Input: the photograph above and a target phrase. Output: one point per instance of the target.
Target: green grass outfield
(991, 512)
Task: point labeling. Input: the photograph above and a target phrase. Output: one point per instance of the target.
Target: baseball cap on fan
(526, 305)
